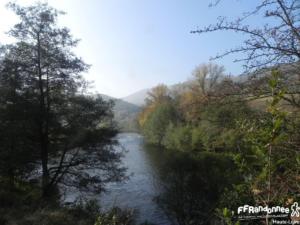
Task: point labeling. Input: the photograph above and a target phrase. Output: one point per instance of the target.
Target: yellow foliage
(156, 96)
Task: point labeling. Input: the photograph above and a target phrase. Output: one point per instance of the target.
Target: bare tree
(267, 44)
(208, 76)
(158, 94)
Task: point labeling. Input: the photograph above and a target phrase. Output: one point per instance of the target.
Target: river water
(143, 185)
(187, 187)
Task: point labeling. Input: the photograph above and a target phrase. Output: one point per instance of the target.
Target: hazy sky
(136, 44)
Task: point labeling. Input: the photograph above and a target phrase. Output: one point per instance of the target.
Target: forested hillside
(125, 113)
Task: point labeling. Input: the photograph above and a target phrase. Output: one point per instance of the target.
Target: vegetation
(53, 134)
(194, 184)
(229, 141)
(254, 121)
(209, 122)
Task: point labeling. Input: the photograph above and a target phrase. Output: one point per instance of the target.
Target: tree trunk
(43, 126)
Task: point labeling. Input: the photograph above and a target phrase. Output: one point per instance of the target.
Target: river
(139, 191)
(187, 186)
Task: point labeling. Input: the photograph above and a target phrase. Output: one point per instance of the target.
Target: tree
(268, 44)
(156, 96)
(17, 148)
(207, 76)
(157, 115)
(204, 88)
(73, 133)
(268, 155)
(156, 125)
(271, 44)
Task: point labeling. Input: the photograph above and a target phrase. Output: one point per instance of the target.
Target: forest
(230, 140)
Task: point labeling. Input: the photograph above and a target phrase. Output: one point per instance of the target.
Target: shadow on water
(191, 186)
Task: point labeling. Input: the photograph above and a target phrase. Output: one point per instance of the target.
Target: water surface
(187, 186)
(143, 185)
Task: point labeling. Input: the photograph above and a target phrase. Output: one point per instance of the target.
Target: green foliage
(116, 216)
(216, 131)
(24, 206)
(227, 217)
(261, 145)
(266, 159)
(159, 120)
(46, 113)
(17, 142)
(51, 216)
(178, 138)
(197, 139)
(194, 184)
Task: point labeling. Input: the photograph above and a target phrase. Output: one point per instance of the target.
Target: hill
(137, 98)
(125, 113)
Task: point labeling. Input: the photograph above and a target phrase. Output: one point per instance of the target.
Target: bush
(116, 216)
(178, 138)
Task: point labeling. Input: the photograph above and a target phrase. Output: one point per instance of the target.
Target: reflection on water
(186, 188)
(193, 185)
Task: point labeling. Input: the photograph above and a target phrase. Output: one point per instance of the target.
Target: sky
(137, 44)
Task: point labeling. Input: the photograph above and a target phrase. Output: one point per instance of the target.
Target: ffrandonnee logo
(262, 209)
(278, 214)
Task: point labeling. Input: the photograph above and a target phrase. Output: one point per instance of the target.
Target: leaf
(226, 212)
(272, 83)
